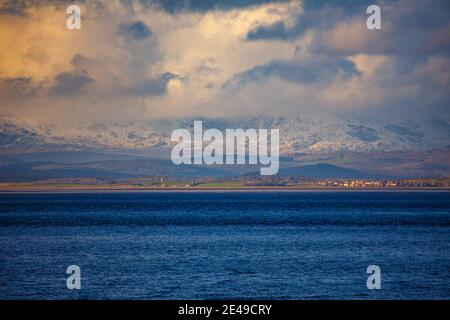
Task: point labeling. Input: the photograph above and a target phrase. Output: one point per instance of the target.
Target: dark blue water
(280, 245)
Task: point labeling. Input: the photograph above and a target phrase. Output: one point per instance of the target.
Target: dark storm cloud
(136, 30)
(12, 7)
(292, 71)
(21, 87)
(69, 83)
(411, 27)
(350, 6)
(320, 14)
(276, 30)
(18, 7)
(82, 62)
(151, 87)
(173, 6)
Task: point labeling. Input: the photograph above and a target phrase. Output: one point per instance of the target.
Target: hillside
(297, 134)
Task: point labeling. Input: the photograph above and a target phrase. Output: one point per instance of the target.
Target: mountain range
(297, 134)
(32, 150)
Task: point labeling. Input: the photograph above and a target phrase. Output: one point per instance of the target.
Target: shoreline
(68, 189)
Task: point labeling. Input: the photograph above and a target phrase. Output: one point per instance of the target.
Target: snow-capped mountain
(298, 134)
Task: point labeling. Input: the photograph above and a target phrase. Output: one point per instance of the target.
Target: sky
(137, 59)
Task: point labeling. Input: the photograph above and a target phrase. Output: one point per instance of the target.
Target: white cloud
(180, 69)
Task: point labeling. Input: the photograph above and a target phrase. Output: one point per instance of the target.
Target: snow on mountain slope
(297, 133)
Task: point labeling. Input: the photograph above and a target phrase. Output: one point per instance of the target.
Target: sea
(225, 244)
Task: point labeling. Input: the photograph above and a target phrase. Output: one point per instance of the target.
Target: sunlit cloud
(147, 59)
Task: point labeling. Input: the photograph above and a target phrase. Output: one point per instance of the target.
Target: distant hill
(112, 169)
(321, 171)
(400, 164)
